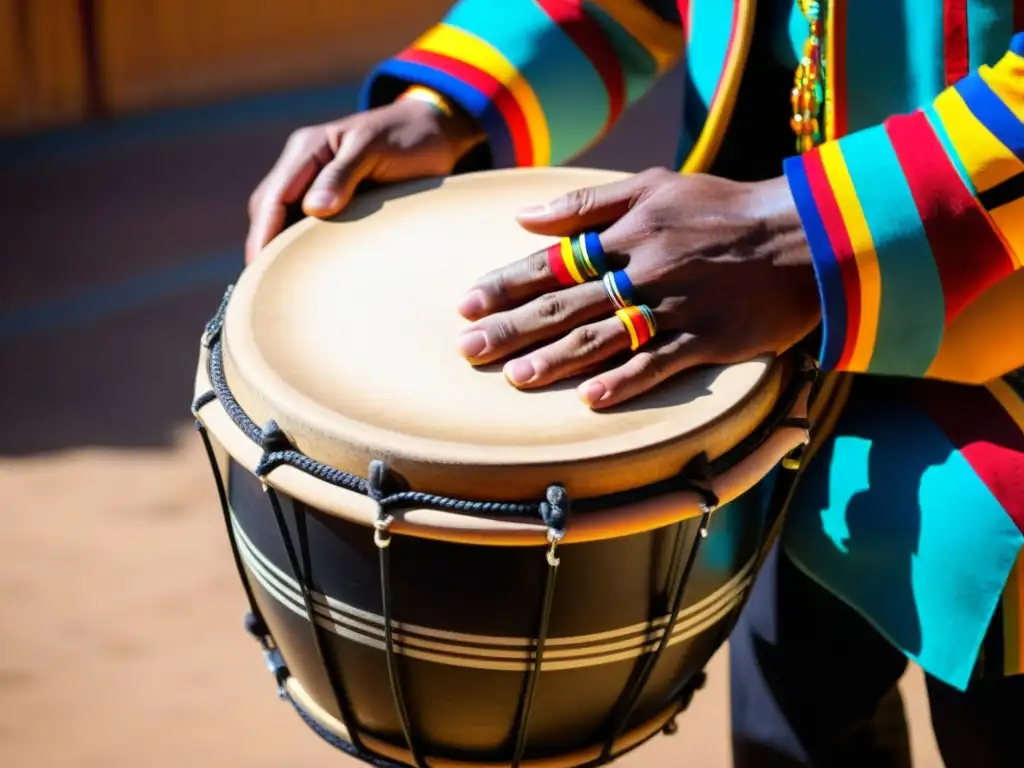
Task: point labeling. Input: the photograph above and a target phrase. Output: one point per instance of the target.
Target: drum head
(345, 331)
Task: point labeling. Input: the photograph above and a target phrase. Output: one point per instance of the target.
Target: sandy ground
(120, 613)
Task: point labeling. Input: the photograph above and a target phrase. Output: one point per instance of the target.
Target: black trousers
(813, 684)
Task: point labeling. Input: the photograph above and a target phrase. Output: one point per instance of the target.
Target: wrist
(460, 130)
(429, 96)
(775, 212)
(773, 206)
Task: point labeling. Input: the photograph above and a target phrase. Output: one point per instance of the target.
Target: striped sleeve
(544, 78)
(913, 221)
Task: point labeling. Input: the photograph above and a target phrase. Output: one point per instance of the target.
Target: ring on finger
(619, 289)
(575, 260)
(640, 324)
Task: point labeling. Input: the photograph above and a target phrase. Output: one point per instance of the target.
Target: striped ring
(593, 253)
(575, 260)
(563, 264)
(640, 324)
(619, 289)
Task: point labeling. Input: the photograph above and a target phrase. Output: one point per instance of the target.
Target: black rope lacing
(553, 510)
(284, 454)
(302, 576)
(382, 538)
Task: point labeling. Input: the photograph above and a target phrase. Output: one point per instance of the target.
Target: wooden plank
(166, 52)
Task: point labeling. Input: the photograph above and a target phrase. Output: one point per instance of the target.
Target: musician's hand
(322, 165)
(724, 266)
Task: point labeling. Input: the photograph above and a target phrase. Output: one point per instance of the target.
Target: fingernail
(520, 371)
(534, 211)
(472, 305)
(472, 343)
(320, 200)
(592, 392)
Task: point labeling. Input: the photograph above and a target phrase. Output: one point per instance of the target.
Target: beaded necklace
(808, 94)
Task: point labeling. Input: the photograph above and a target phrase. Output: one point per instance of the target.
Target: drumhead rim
(481, 529)
(258, 384)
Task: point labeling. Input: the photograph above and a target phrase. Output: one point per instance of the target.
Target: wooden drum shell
(466, 615)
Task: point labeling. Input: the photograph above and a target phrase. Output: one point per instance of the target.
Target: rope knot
(375, 490)
(554, 511)
(555, 508)
(375, 482)
(698, 477)
(274, 439)
(202, 400)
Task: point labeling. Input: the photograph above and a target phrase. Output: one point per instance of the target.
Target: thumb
(336, 183)
(583, 209)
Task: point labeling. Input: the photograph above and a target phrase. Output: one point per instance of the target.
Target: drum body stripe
(493, 653)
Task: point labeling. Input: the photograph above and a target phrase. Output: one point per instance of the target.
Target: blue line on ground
(106, 300)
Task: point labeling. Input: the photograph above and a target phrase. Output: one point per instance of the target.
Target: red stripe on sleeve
(955, 41)
(842, 247)
(968, 253)
(495, 90)
(590, 38)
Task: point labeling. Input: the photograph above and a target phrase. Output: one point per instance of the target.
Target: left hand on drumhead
(724, 267)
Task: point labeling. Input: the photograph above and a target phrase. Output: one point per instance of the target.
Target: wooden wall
(42, 80)
(159, 53)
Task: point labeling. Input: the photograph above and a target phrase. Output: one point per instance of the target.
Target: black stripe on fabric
(1003, 194)
(992, 648)
(1015, 380)
(668, 10)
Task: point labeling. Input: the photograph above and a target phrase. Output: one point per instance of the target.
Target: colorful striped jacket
(914, 210)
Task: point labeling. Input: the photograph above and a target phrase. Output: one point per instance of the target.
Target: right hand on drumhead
(321, 165)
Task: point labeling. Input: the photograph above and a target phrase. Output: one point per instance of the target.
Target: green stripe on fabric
(569, 89)
(912, 312)
(639, 67)
(989, 29)
(940, 130)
